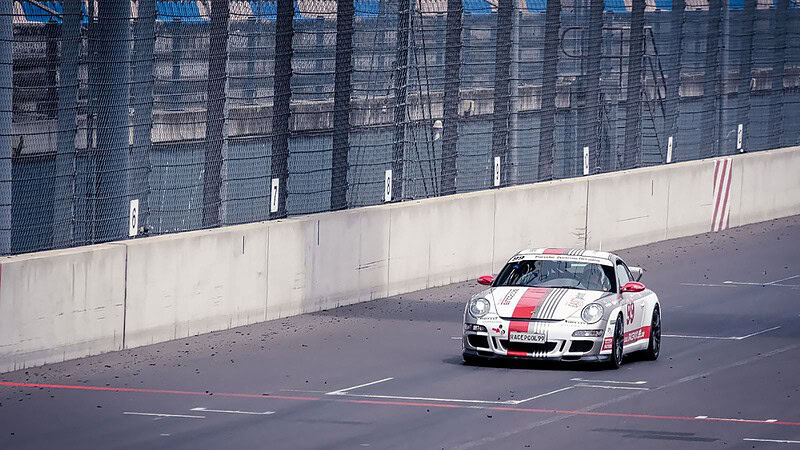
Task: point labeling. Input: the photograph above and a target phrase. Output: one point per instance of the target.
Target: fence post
(710, 136)
(400, 99)
(776, 114)
(547, 112)
(216, 142)
(746, 69)
(633, 104)
(452, 86)
(341, 103)
(673, 88)
(502, 91)
(6, 95)
(592, 134)
(284, 33)
(143, 49)
(113, 96)
(64, 197)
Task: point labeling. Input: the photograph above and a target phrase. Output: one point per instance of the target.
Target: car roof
(568, 252)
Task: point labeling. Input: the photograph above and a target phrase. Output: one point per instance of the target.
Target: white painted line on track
(314, 391)
(757, 333)
(689, 336)
(721, 338)
(623, 388)
(726, 419)
(708, 285)
(252, 413)
(456, 338)
(608, 381)
(179, 416)
(431, 399)
(784, 279)
(517, 402)
(775, 441)
(343, 391)
(747, 283)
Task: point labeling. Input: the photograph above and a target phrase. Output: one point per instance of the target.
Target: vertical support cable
(594, 48)
(400, 99)
(633, 104)
(502, 92)
(452, 86)
(284, 33)
(552, 26)
(746, 68)
(215, 119)
(113, 94)
(143, 49)
(778, 67)
(341, 103)
(710, 136)
(673, 102)
(64, 195)
(6, 95)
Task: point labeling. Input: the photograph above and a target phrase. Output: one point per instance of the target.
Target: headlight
(592, 313)
(478, 307)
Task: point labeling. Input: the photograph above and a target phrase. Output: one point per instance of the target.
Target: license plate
(532, 338)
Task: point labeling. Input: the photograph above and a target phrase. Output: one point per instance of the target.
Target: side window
(623, 274)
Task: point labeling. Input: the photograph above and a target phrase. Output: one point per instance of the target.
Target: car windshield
(558, 274)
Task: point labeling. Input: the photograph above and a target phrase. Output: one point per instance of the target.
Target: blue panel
(666, 5)
(366, 8)
(536, 6)
(35, 14)
(476, 7)
(617, 6)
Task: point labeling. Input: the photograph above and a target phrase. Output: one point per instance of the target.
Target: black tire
(617, 345)
(472, 360)
(654, 346)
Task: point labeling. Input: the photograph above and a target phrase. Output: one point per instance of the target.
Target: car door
(632, 304)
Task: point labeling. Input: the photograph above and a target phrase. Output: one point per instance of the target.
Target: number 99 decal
(630, 313)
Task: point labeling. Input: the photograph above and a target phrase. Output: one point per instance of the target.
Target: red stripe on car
(554, 251)
(527, 304)
(512, 353)
(637, 335)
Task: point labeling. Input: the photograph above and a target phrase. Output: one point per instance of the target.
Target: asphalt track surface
(388, 374)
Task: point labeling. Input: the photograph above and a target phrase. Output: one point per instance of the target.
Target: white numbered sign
(586, 160)
(496, 171)
(133, 219)
(739, 133)
(387, 186)
(669, 150)
(273, 201)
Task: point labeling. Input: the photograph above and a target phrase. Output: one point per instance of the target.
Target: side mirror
(633, 286)
(486, 280)
(637, 273)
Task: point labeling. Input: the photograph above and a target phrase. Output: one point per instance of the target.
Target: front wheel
(616, 345)
(654, 346)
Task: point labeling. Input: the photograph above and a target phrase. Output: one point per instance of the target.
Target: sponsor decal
(516, 258)
(636, 335)
(607, 343)
(509, 296)
(499, 330)
(577, 300)
(723, 172)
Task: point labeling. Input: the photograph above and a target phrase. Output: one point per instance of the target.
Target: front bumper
(559, 343)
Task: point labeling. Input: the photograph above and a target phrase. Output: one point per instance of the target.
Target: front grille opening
(526, 347)
(478, 341)
(581, 346)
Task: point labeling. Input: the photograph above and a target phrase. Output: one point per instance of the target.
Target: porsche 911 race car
(562, 304)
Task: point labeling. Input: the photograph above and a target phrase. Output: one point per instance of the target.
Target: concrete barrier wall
(60, 305)
(67, 304)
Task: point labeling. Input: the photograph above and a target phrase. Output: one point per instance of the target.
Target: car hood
(540, 303)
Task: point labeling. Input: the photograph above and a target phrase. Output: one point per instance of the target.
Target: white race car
(563, 304)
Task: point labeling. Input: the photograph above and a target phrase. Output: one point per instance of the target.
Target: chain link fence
(208, 112)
